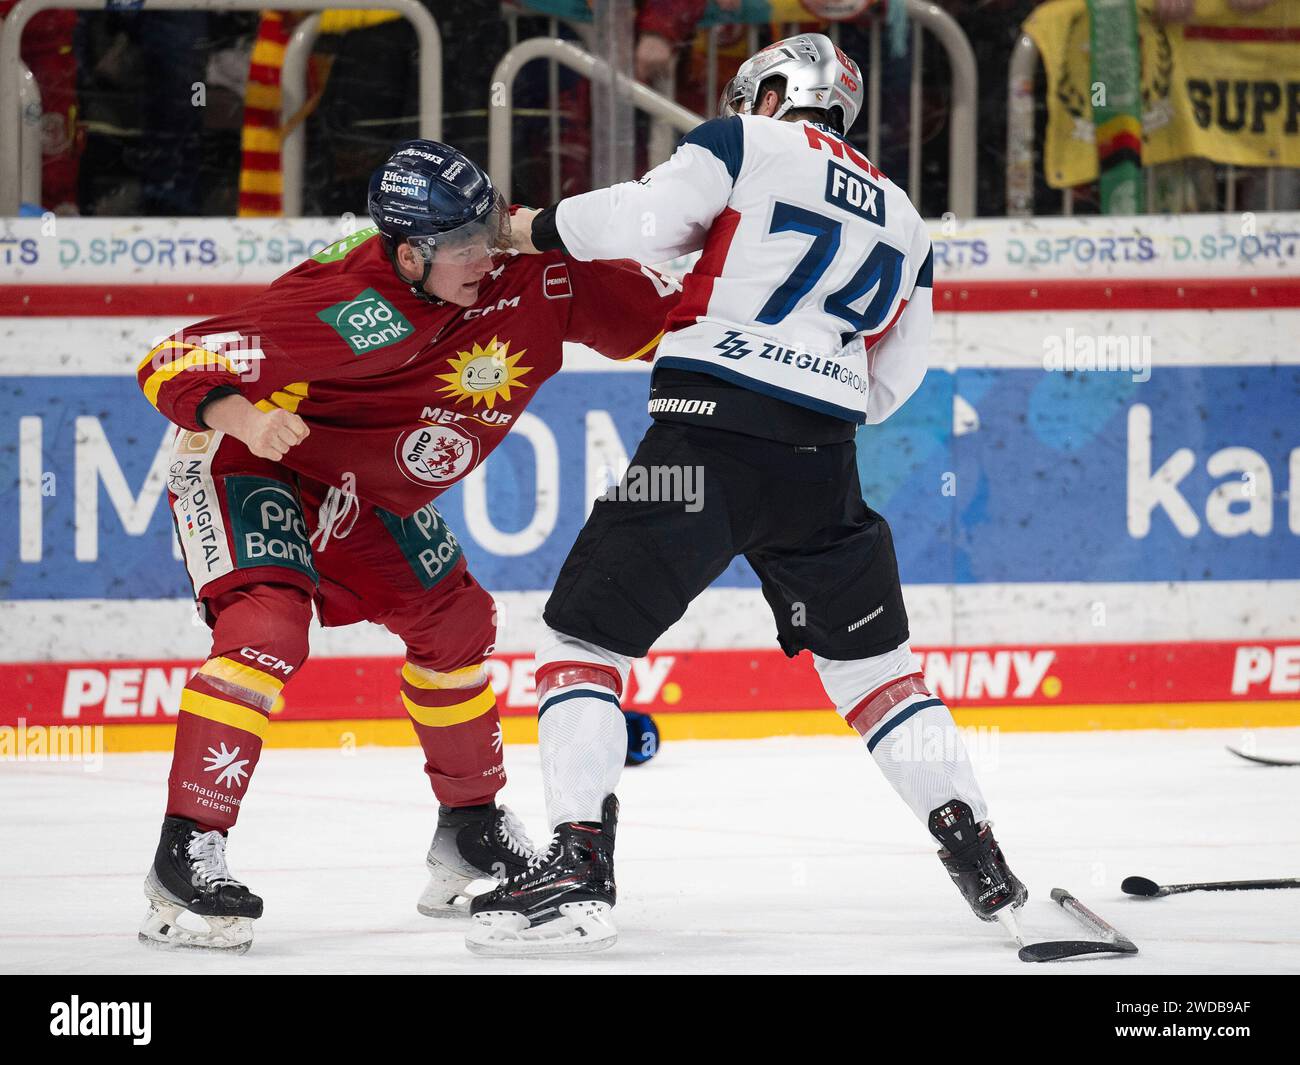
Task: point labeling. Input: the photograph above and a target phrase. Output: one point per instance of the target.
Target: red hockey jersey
(404, 397)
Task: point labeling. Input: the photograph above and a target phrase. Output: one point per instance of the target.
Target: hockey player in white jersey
(807, 315)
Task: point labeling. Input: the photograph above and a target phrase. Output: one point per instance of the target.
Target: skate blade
(448, 892)
(162, 930)
(1006, 917)
(581, 928)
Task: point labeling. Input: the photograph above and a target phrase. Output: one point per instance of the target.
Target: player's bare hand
(521, 230)
(274, 432)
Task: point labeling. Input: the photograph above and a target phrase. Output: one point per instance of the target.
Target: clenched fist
(268, 434)
(521, 230)
(272, 433)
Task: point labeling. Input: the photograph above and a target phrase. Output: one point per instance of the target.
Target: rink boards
(1095, 495)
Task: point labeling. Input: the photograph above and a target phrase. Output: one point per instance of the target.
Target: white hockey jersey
(815, 281)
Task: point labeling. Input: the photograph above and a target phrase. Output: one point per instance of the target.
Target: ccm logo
(265, 660)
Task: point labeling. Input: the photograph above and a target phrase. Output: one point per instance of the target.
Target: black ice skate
(471, 843)
(189, 876)
(561, 904)
(974, 860)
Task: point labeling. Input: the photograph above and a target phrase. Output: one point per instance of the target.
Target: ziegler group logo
(367, 322)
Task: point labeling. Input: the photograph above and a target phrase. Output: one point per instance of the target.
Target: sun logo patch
(484, 374)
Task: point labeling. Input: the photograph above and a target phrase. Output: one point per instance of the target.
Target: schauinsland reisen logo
(367, 322)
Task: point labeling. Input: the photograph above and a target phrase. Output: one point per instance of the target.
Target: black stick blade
(1056, 950)
(1140, 885)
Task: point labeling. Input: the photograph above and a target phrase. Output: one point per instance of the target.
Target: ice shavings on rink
(746, 856)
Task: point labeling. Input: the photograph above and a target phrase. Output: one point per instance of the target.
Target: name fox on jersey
(855, 194)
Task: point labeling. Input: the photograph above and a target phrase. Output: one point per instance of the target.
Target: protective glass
(735, 98)
(488, 234)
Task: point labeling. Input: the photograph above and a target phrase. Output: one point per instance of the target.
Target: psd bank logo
(269, 528)
(367, 322)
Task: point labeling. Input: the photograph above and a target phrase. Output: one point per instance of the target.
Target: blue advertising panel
(1047, 476)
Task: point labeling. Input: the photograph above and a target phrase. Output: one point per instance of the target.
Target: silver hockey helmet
(817, 74)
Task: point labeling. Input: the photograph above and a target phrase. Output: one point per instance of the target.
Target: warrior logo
(436, 455)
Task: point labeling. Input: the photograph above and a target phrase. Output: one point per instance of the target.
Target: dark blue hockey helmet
(439, 201)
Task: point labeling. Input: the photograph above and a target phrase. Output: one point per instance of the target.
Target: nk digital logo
(855, 194)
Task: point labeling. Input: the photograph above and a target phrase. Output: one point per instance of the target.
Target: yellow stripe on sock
(442, 716)
(243, 675)
(431, 680)
(223, 712)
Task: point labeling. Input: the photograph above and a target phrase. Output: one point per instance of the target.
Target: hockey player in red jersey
(318, 423)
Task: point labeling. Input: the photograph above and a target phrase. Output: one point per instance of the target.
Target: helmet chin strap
(417, 287)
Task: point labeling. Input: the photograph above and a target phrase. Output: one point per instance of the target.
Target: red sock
(460, 731)
(259, 641)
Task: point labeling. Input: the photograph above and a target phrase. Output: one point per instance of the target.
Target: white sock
(909, 732)
(582, 735)
(922, 755)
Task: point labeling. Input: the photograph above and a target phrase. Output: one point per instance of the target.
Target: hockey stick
(1112, 942)
(1261, 760)
(1140, 885)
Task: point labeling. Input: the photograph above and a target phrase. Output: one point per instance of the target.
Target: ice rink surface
(780, 855)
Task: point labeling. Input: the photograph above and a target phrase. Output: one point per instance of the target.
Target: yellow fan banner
(1224, 85)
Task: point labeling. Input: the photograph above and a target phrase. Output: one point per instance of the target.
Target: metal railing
(925, 16)
(963, 105)
(293, 91)
(293, 77)
(1022, 158)
(566, 54)
(31, 109)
